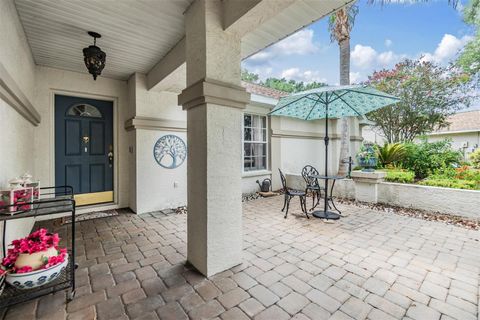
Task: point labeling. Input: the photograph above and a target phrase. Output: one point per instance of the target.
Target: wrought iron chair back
(307, 173)
(284, 181)
(290, 193)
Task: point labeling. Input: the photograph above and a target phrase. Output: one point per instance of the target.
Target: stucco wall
(296, 143)
(445, 200)
(435, 199)
(458, 139)
(157, 188)
(16, 138)
(50, 81)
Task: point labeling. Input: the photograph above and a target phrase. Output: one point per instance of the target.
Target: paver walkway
(368, 265)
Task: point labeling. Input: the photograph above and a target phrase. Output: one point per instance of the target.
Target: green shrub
(400, 176)
(475, 158)
(451, 183)
(426, 158)
(390, 154)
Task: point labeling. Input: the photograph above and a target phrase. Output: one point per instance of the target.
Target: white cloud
(299, 75)
(355, 77)
(300, 43)
(388, 43)
(261, 57)
(447, 49)
(363, 56)
(387, 58)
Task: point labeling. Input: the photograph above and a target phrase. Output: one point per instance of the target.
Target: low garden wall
(445, 200)
(435, 199)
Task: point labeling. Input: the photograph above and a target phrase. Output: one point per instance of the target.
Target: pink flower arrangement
(37, 241)
(21, 197)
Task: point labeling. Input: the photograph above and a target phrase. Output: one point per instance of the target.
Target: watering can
(265, 186)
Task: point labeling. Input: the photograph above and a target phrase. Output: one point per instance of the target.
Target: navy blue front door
(84, 147)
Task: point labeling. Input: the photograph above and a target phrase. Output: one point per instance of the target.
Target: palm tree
(340, 24)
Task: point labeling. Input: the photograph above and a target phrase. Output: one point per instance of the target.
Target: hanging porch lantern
(94, 57)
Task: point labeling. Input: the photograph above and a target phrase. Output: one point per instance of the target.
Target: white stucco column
(214, 101)
(366, 185)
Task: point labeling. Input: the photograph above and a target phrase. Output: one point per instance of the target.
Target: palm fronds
(391, 153)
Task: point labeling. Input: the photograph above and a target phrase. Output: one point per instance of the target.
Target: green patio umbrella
(332, 102)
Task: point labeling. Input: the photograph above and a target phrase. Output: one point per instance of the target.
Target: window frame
(266, 143)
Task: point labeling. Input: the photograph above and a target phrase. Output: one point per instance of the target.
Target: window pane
(247, 120)
(257, 134)
(247, 163)
(258, 149)
(255, 142)
(259, 163)
(247, 135)
(257, 122)
(247, 149)
(84, 110)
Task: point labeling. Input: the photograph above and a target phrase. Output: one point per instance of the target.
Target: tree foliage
(340, 23)
(429, 93)
(282, 84)
(469, 59)
(249, 76)
(475, 158)
(427, 158)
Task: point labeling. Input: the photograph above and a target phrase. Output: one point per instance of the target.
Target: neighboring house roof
(462, 122)
(263, 91)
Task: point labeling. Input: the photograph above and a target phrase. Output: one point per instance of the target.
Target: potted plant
(34, 260)
(367, 157)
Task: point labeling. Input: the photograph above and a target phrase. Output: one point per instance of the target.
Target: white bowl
(36, 278)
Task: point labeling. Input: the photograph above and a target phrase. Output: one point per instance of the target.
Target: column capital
(368, 177)
(214, 92)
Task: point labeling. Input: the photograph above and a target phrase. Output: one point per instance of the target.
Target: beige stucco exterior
(207, 115)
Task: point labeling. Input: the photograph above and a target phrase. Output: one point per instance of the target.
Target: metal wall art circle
(170, 151)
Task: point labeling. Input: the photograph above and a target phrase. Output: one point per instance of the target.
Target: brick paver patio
(369, 265)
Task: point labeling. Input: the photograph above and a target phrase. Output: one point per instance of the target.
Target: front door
(84, 148)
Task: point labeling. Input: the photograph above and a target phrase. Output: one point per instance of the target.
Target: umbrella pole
(325, 214)
(326, 139)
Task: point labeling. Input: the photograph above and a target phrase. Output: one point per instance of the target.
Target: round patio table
(325, 213)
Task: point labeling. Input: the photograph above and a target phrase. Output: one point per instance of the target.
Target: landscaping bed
(433, 164)
(459, 221)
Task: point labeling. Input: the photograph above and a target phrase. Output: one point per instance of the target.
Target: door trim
(114, 100)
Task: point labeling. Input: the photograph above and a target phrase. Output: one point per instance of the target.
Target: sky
(381, 37)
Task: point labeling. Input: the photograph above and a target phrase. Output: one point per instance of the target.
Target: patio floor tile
(371, 264)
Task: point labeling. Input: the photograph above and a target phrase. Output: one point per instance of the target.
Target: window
(84, 110)
(254, 142)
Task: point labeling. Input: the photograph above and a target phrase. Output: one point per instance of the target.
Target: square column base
(366, 185)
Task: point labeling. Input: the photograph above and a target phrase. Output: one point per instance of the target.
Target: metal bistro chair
(312, 184)
(290, 193)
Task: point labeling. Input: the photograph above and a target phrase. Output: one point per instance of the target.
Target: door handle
(110, 158)
(86, 140)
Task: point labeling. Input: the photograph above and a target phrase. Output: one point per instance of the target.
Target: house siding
(16, 138)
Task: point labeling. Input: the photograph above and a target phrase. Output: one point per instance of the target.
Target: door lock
(86, 139)
(110, 159)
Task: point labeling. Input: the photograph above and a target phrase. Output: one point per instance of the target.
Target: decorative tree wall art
(170, 151)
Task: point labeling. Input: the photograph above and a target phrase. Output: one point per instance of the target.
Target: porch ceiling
(136, 35)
